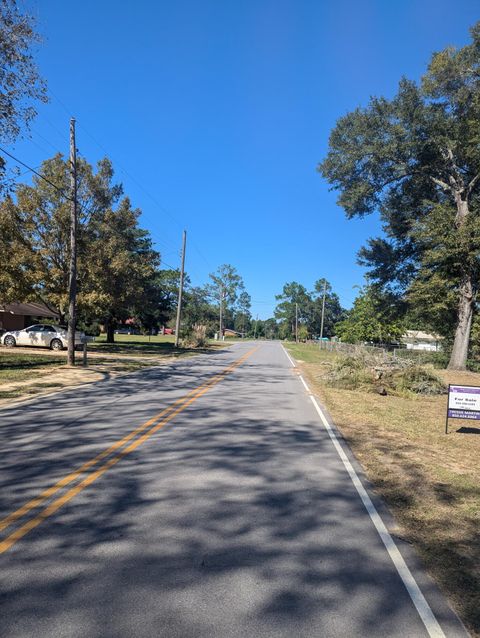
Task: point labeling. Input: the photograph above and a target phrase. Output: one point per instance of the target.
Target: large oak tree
(416, 159)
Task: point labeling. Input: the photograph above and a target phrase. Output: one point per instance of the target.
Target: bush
(196, 337)
(419, 380)
(349, 372)
(421, 357)
(382, 374)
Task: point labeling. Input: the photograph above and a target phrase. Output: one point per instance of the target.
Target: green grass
(20, 367)
(160, 345)
(308, 352)
(32, 389)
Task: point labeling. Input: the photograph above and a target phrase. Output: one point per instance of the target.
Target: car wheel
(56, 344)
(10, 342)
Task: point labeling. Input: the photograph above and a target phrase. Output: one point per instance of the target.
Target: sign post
(463, 403)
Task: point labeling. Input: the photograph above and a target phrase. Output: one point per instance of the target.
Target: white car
(42, 336)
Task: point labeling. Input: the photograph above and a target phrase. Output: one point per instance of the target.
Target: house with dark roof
(17, 316)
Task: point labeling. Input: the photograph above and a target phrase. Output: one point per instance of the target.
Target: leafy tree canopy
(371, 319)
(416, 160)
(226, 285)
(21, 85)
(295, 298)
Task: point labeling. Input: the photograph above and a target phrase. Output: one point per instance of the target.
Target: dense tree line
(295, 301)
(119, 270)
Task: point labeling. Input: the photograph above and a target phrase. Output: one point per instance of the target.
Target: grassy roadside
(19, 367)
(143, 345)
(16, 369)
(430, 481)
(25, 375)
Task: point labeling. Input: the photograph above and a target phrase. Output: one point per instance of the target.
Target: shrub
(419, 380)
(382, 374)
(348, 372)
(196, 337)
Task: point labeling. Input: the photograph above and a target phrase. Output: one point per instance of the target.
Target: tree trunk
(110, 331)
(458, 358)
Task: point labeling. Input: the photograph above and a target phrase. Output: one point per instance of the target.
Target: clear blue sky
(216, 113)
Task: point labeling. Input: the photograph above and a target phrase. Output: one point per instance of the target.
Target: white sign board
(463, 402)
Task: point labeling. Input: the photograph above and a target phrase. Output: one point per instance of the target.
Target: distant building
(17, 316)
(418, 340)
(227, 332)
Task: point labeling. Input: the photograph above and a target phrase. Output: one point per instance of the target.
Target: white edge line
(423, 608)
(294, 365)
(305, 385)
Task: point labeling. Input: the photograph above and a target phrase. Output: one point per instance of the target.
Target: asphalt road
(228, 512)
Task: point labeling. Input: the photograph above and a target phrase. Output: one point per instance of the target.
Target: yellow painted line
(15, 536)
(66, 480)
(38, 500)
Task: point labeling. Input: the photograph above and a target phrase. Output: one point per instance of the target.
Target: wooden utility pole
(296, 322)
(72, 282)
(220, 335)
(180, 291)
(323, 306)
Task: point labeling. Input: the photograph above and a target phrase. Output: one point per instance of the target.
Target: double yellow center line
(146, 430)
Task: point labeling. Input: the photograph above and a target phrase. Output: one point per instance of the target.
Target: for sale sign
(463, 402)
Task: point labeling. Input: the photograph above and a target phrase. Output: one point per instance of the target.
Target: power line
(60, 190)
(201, 254)
(19, 77)
(161, 241)
(133, 179)
(46, 140)
(69, 113)
(164, 263)
(129, 175)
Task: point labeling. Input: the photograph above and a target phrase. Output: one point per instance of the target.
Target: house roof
(28, 309)
(418, 334)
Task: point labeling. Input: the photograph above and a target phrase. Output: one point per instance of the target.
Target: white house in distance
(418, 340)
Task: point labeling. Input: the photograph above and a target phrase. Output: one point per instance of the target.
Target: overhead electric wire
(169, 265)
(144, 214)
(18, 77)
(139, 185)
(154, 200)
(15, 159)
(45, 140)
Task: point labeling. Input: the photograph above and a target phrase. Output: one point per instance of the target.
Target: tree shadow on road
(226, 523)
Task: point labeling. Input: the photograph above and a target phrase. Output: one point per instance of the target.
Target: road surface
(203, 499)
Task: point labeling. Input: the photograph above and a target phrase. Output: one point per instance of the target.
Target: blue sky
(216, 113)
